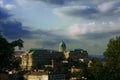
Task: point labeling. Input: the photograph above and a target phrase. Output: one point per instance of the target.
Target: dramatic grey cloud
(105, 9)
(77, 11)
(92, 30)
(4, 14)
(103, 35)
(58, 2)
(12, 29)
(63, 2)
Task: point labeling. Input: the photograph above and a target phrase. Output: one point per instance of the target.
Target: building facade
(43, 76)
(76, 54)
(35, 57)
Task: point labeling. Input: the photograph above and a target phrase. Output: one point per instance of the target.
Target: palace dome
(62, 46)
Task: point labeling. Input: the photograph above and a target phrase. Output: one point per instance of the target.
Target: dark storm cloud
(85, 13)
(58, 2)
(14, 30)
(101, 35)
(89, 13)
(4, 14)
(62, 2)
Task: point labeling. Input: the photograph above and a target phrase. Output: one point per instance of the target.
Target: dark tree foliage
(95, 72)
(112, 53)
(111, 69)
(7, 58)
(112, 56)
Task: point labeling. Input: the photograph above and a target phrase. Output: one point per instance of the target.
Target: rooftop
(40, 49)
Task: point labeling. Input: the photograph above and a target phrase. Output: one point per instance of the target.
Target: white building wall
(34, 77)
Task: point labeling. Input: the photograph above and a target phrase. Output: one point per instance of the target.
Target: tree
(7, 52)
(112, 56)
(95, 72)
(112, 53)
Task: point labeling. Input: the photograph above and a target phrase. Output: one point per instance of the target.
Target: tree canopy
(110, 70)
(112, 56)
(7, 52)
(112, 53)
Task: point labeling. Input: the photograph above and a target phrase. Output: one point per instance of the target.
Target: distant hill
(96, 56)
(100, 57)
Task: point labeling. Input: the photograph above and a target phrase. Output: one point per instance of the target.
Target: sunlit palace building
(35, 57)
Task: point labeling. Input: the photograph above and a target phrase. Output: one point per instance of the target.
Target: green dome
(62, 44)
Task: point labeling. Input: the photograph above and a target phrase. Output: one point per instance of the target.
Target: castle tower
(62, 46)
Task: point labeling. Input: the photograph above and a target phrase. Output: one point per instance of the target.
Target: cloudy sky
(86, 24)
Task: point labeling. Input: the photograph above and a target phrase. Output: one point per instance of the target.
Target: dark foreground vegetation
(110, 70)
(7, 58)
